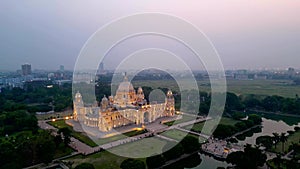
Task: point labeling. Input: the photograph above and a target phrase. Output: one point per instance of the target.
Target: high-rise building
(26, 69)
(101, 67)
(61, 68)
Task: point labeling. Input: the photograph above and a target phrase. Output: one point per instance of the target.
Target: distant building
(62, 68)
(26, 69)
(241, 77)
(291, 72)
(260, 77)
(101, 66)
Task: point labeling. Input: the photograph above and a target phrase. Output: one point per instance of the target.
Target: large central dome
(125, 85)
(125, 95)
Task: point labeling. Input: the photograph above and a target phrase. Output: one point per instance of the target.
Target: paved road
(200, 119)
(195, 133)
(46, 126)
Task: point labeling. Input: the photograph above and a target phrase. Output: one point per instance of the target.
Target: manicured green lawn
(103, 160)
(58, 124)
(108, 159)
(120, 136)
(179, 135)
(185, 118)
(141, 148)
(78, 135)
(198, 126)
(174, 134)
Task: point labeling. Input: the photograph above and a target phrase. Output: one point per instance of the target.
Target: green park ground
(185, 118)
(179, 135)
(85, 139)
(108, 159)
(283, 88)
(197, 127)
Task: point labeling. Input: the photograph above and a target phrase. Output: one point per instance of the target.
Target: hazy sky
(246, 34)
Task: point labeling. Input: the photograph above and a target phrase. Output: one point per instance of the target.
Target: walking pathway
(155, 128)
(195, 133)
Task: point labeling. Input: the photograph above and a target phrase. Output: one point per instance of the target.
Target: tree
(190, 144)
(191, 161)
(85, 166)
(266, 141)
(233, 102)
(277, 160)
(251, 158)
(255, 118)
(58, 140)
(174, 152)
(132, 164)
(66, 134)
(45, 147)
(155, 161)
(224, 131)
(251, 101)
(276, 139)
(283, 139)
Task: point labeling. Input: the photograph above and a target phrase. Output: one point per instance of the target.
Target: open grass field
(78, 135)
(142, 148)
(178, 135)
(108, 160)
(174, 134)
(260, 87)
(102, 141)
(198, 126)
(103, 160)
(185, 118)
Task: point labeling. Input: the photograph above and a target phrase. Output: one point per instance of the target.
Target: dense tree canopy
(27, 149)
(251, 158)
(133, 164)
(155, 161)
(85, 166)
(190, 144)
(266, 141)
(174, 152)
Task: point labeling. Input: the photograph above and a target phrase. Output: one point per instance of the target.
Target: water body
(269, 126)
(210, 163)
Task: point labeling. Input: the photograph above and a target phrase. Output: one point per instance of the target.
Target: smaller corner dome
(140, 89)
(104, 98)
(169, 92)
(78, 95)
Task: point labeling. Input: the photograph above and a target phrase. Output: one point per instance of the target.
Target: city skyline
(249, 35)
